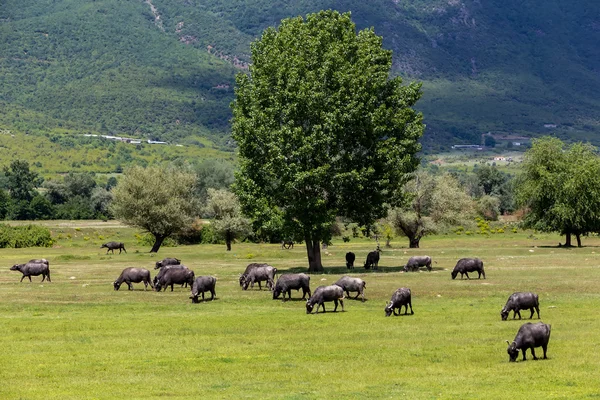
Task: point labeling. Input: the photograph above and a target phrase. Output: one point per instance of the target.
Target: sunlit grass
(78, 338)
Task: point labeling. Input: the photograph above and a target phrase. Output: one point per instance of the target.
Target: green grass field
(77, 338)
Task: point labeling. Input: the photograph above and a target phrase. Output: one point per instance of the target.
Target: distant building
(467, 146)
(156, 142)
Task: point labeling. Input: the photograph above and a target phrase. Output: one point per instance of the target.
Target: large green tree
(322, 129)
(560, 188)
(161, 201)
(21, 181)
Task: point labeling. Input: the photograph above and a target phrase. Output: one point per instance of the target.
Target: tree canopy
(560, 188)
(322, 130)
(436, 202)
(224, 207)
(159, 200)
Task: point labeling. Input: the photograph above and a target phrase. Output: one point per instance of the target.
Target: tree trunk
(158, 241)
(228, 237)
(313, 250)
(578, 236)
(387, 243)
(414, 242)
(568, 240)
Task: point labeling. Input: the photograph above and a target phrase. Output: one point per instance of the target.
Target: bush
(191, 234)
(209, 235)
(24, 236)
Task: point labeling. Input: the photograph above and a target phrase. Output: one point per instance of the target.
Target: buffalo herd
(172, 272)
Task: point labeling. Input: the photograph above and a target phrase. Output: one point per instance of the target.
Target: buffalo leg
(212, 294)
(533, 353)
(22, 278)
(517, 311)
(355, 297)
(525, 354)
(531, 316)
(322, 304)
(466, 275)
(538, 312)
(411, 310)
(336, 304)
(43, 277)
(342, 303)
(395, 313)
(544, 348)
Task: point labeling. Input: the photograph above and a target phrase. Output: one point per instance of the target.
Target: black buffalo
(174, 275)
(203, 284)
(521, 301)
(135, 275)
(250, 267)
(324, 294)
(288, 282)
(465, 265)
(264, 273)
(350, 257)
(167, 261)
(372, 260)
(415, 262)
(112, 246)
(350, 284)
(33, 269)
(529, 336)
(401, 297)
(287, 244)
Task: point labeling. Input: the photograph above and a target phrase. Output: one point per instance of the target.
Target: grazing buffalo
(167, 261)
(350, 284)
(372, 260)
(401, 297)
(260, 274)
(350, 257)
(521, 301)
(135, 275)
(465, 265)
(164, 270)
(415, 262)
(287, 244)
(250, 267)
(287, 282)
(33, 269)
(174, 276)
(324, 294)
(112, 246)
(529, 336)
(203, 284)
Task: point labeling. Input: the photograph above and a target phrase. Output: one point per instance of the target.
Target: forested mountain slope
(164, 68)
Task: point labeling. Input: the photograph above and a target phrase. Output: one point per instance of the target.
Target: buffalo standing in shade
(415, 262)
(350, 257)
(372, 260)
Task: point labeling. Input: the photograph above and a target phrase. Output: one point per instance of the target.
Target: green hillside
(165, 70)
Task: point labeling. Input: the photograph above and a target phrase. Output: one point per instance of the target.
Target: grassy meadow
(77, 338)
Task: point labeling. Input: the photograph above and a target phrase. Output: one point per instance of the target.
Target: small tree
(224, 207)
(21, 182)
(437, 203)
(322, 129)
(158, 200)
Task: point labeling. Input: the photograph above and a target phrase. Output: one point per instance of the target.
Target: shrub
(24, 236)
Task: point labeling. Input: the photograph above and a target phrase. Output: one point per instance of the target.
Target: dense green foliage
(18, 237)
(223, 207)
(77, 338)
(561, 188)
(109, 67)
(161, 201)
(320, 125)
